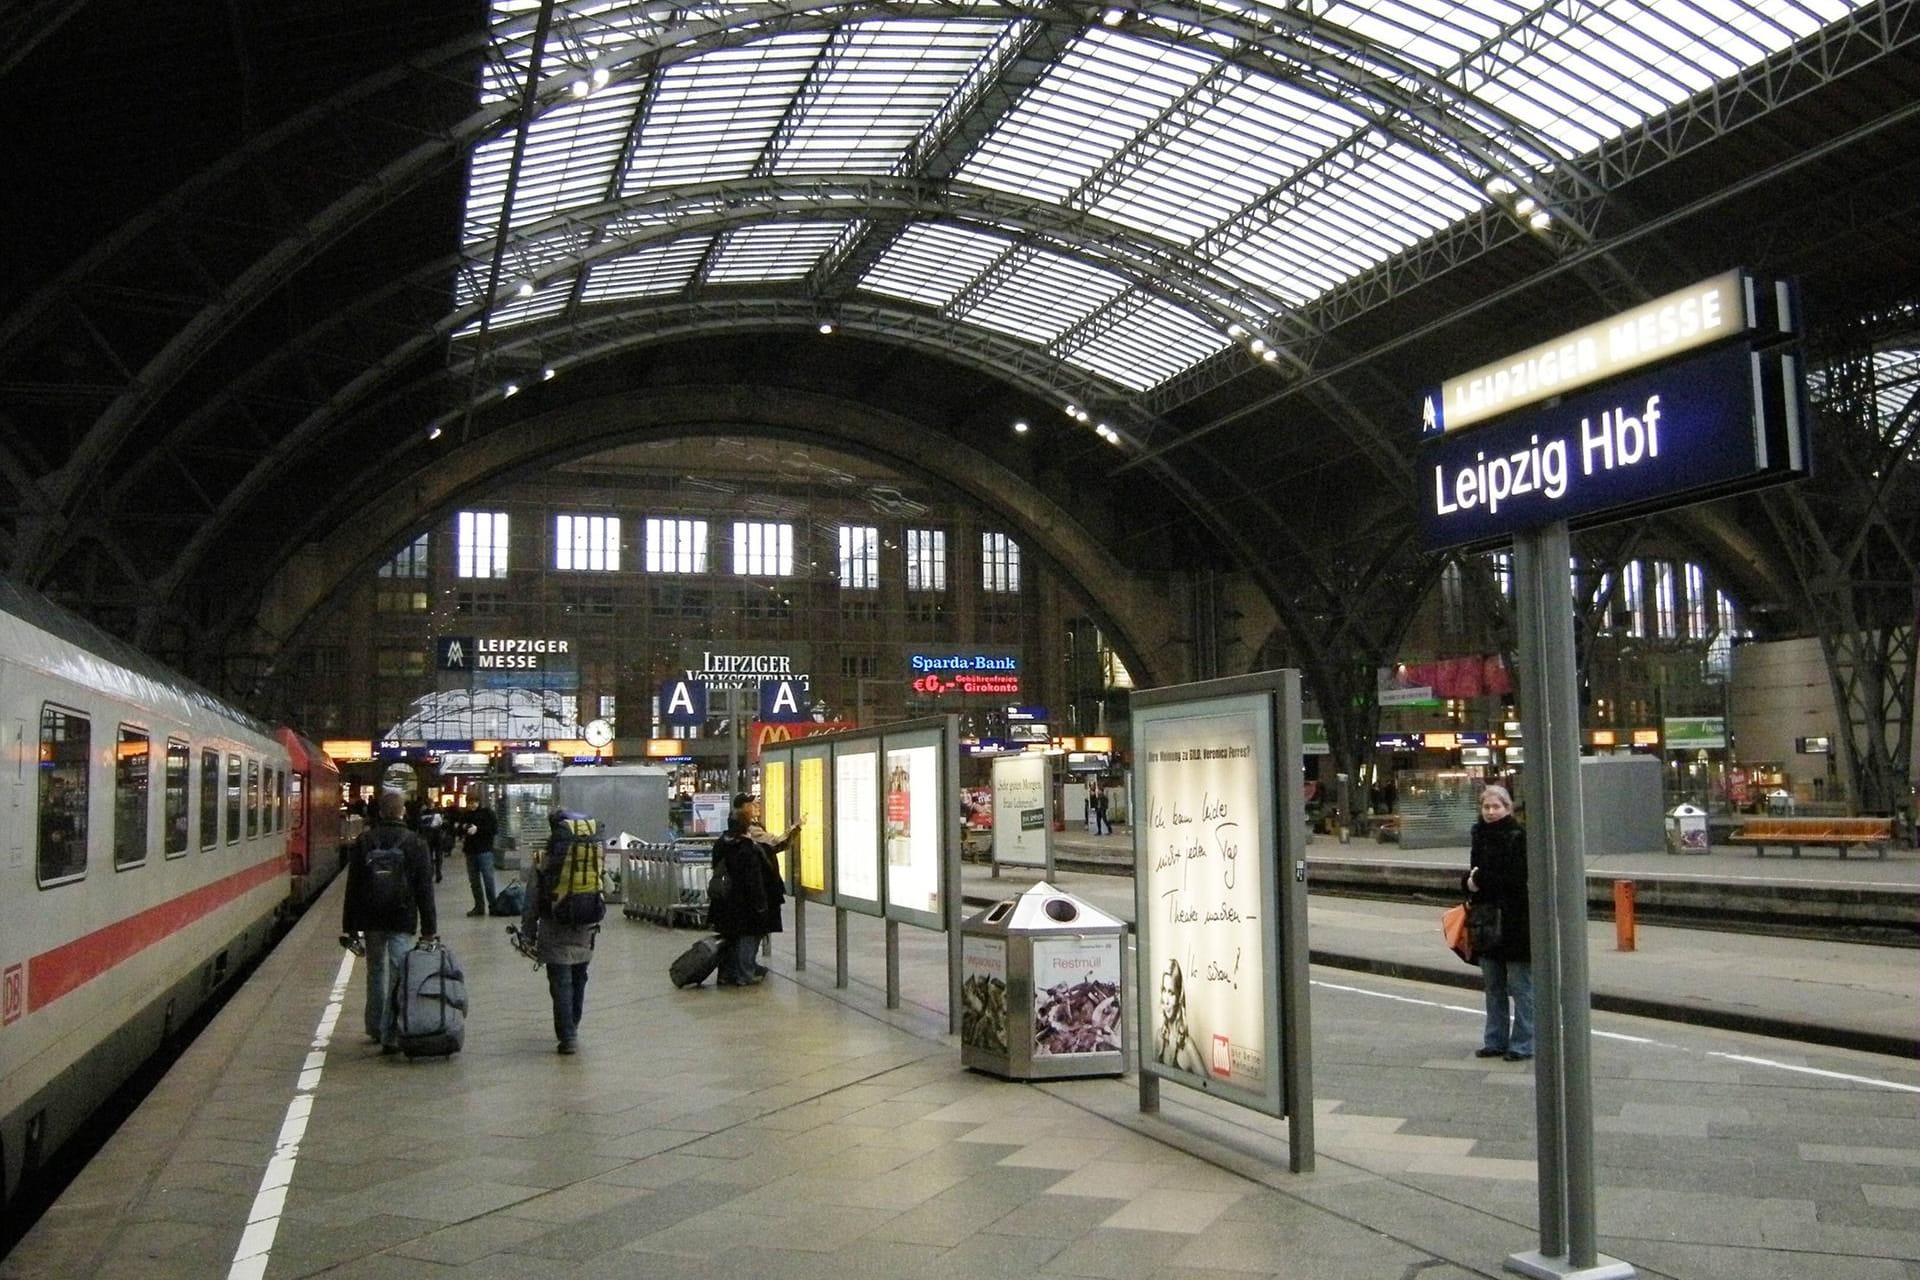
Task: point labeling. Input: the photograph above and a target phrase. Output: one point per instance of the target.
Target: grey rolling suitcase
(691, 967)
(430, 1003)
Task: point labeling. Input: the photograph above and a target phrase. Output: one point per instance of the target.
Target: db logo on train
(13, 994)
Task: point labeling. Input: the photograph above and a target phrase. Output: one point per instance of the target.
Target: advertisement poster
(914, 814)
(976, 808)
(1020, 798)
(1076, 996)
(856, 834)
(1205, 984)
(773, 803)
(709, 815)
(812, 773)
(983, 993)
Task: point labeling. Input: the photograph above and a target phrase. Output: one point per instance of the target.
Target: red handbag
(1453, 927)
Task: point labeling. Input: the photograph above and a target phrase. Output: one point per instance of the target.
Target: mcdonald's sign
(765, 734)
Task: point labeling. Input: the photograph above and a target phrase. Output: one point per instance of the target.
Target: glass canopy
(1130, 191)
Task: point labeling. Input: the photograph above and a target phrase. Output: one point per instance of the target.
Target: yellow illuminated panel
(1646, 737)
(813, 831)
(773, 803)
(1604, 737)
(347, 750)
(661, 748)
(1097, 744)
(1441, 741)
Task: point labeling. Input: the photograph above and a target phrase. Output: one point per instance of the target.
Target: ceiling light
(1020, 427)
(526, 289)
(826, 326)
(546, 374)
(1270, 355)
(1081, 415)
(509, 391)
(1525, 205)
(1235, 332)
(579, 88)
(1497, 186)
(434, 434)
(1114, 17)
(600, 77)
(1258, 345)
(1540, 221)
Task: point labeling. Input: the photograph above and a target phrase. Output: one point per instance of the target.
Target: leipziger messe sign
(1693, 396)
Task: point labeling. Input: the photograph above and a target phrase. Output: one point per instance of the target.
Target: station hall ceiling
(270, 265)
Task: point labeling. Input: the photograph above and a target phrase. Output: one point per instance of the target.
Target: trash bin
(1686, 829)
(1041, 990)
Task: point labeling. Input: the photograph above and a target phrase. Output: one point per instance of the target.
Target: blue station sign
(1729, 419)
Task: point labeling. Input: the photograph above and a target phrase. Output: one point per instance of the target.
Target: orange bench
(1840, 834)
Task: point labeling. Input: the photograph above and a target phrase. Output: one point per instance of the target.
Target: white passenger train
(152, 834)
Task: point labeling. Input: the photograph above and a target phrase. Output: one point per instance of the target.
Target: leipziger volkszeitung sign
(1723, 419)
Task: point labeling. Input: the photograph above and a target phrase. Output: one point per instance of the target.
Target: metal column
(1557, 890)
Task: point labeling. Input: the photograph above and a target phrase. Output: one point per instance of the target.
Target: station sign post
(1691, 396)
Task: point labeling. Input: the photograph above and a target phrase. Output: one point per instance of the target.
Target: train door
(20, 817)
(297, 836)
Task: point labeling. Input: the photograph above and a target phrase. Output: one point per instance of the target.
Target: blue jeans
(479, 876)
(385, 953)
(567, 984)
(739, 960)
(1504, 979)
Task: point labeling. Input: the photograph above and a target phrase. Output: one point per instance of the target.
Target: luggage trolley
(667, 883)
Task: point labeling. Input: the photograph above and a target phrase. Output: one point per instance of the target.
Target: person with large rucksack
(389, 895)
(563, 913)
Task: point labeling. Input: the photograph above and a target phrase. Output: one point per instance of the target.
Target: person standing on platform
(565, 949)
(389, 895)
(770, 846)
(1097, 802)
(480, 827)
(1498, 921)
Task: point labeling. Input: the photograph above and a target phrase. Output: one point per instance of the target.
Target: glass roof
(1118, 194)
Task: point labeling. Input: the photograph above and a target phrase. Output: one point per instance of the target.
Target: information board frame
(934, 815)
(816, 830)
(1247, 731)
(853, 819)
(776, 807)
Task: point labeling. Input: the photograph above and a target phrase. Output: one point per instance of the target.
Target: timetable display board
(1206, 899)
(916, 811)
(811, 780)
(776, 776)
(857, 869)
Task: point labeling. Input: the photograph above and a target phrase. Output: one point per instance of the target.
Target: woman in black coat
(1497, 878)
(740, 913)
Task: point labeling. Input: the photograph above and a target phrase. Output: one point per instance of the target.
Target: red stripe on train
(52, 974)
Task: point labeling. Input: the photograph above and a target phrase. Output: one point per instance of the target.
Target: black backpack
(385, 892)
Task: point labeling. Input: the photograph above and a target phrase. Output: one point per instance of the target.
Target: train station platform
(799, 1130)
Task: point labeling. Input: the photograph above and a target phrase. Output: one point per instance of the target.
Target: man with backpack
(389, 895)
(563, 913)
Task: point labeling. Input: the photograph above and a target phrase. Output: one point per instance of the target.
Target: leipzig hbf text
(1617, 439)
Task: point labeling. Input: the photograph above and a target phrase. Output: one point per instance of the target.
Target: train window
(233, 799)
(132, 796)
(179, 760)
(209, 799)
(280, 798)
(253, 798)
(66, 741)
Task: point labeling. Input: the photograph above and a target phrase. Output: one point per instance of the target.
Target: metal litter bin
(1686, 829)
(1042, 988)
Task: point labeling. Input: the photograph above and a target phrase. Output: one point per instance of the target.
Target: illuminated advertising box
(810, 766)
(1021, 832)
(856, 827)
(915, 811)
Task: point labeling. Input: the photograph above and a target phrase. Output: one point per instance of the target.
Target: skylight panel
(569, 161)
(1253, 139)
(930, 263)
(1436, 34)
(544, 303)
(1393, 201)
(656, 269)
(784, 251)
(878, 92)
(1150, 346)
(525, 261)
(1044, 296)
(715, 117)
(1105, 90)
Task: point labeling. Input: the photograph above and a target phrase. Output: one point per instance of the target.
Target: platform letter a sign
(683, 702)
(783, 701)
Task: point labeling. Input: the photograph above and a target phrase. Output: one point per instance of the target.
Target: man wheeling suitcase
(389, 894)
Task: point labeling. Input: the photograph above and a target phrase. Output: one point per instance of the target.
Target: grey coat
(556, 943)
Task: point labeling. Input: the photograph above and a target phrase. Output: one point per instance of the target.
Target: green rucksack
(571, 870)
